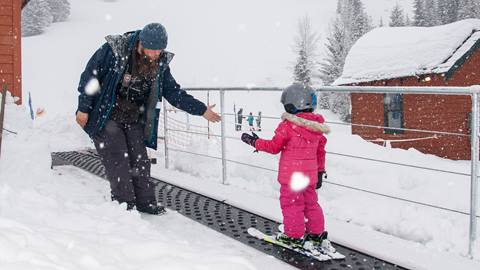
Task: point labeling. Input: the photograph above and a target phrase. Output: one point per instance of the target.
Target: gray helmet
(298, 97)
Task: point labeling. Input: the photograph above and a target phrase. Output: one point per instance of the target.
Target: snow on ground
(63, 219)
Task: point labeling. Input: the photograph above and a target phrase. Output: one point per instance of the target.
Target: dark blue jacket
(107, 65)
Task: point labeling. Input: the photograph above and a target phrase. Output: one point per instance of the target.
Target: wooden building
(10, 46)
(446, 55)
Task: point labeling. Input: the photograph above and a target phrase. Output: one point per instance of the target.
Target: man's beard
(146, 66)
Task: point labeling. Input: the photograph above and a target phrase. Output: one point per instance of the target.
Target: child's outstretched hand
(249, 139)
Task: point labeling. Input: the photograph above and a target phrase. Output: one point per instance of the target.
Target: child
(299, 138)
(259, 121)
(250, 121)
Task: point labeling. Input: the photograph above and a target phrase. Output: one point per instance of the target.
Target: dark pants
(126, 162)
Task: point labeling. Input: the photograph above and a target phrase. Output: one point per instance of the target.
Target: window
(393, 104)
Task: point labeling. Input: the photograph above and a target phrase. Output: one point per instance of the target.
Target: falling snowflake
(299, 181)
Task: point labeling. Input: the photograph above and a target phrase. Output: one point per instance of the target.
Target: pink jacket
(300, 139)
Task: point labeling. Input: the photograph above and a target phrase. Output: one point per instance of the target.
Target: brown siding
(447, 113)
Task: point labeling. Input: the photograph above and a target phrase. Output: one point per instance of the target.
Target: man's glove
(321, 176)
(249, 139)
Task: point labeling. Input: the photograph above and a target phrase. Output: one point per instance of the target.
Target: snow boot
(289, 241)
(152, 209)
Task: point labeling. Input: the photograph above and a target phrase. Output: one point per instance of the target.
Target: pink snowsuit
(300, 139)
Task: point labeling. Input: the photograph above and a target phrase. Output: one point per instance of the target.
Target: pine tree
(350, 24)
(381, 24)
(36, 16)
(419, 18)
(337, 50)
(468, 9)
(305, 47)
(60, 10)
(430, 8)
(360, 22)
(396, 17)
(408, 22)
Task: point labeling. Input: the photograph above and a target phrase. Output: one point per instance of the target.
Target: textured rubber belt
(227, 219)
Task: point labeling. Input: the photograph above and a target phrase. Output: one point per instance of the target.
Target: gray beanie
(154, 37)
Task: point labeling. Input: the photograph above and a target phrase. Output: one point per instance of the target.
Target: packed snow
(395, 52)
(63, 218)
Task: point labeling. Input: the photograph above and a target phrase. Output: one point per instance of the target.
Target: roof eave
(461, 61)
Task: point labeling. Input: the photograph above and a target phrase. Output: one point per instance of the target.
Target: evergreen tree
(381, 24)
(408, 22)
(337, 50)
(430, 8)
(60, 10)
(419, 18)
(468, 9)
(36, 16)
(396, 17)
(447, 11)
(305, 47)
(350, 24)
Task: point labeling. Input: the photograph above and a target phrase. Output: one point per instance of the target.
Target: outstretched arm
(276, 144)
(179, 97)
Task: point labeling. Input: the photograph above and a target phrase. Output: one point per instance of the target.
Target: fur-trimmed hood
(310, 124)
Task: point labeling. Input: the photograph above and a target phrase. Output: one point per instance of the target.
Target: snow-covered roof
(395, 52)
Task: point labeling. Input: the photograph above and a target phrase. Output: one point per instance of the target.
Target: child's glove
(249, 139)
(321, 176)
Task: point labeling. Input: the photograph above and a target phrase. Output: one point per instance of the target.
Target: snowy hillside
(63, 218)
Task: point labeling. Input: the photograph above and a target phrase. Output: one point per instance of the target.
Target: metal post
(208, 122)
(165, 137)
(224, 150)
(2, 113)
(474, 181)
(188, 121)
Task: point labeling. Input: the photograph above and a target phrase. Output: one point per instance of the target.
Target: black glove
(249, 139)
(321, 176)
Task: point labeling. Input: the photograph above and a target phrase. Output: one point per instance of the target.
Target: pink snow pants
(301, 212)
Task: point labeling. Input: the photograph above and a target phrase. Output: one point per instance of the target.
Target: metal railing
(472, 91)
(2, 113)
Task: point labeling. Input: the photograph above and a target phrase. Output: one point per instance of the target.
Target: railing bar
(399, 164)
(197, 154)
(346, 155)
(335, 184)
(400, 199)
(438, 90)
(377, 127)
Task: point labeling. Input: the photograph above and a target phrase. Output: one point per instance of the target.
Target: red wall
(10, 46)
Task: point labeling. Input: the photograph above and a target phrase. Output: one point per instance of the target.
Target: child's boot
(289, 241)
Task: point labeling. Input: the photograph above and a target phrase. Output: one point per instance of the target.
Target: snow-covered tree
(469, 9)
(36, 16)
(419, 18)
(381, 24)
(350, 24)
(397, 18)
(408, 22)
(305, 48)
(60, 10)
(447, 11)
(337, 50)
(431, 13)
